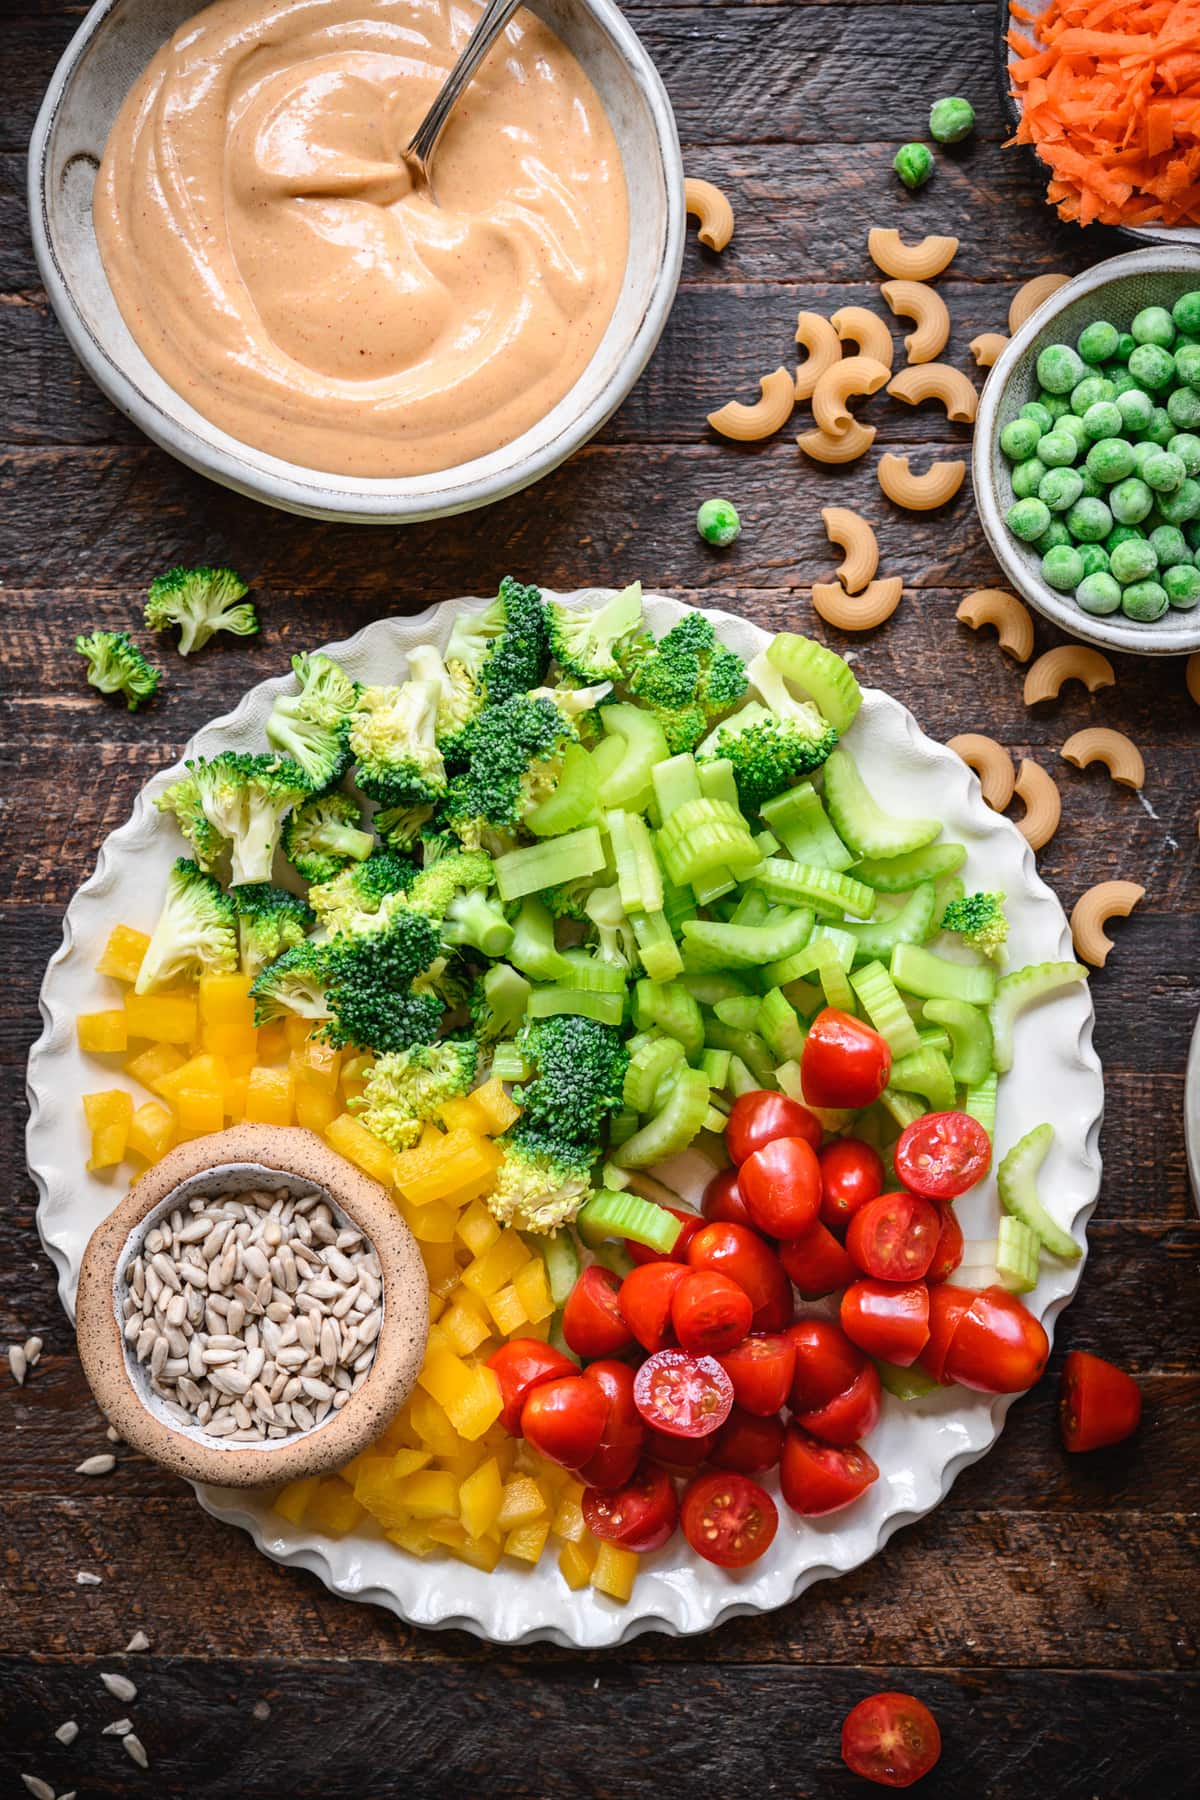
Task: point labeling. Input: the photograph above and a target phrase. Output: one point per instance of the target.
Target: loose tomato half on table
(728, 1519)
(1098, 1405)
(844, 1063)
(891, 1739)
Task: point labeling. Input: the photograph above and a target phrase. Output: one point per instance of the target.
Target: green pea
(1186, 311)
(1103, 420)
(1027, 477)
(718, 523)
(1094, 559)
(1055, 537)
(1062, 568)
(1041, 415)
(1187, 364)
(1089, 521)
(1144, 601)
(1191, 532)
(1160, 430)
(1136, 409)
(1153, 325)
(1130, 500)
(1112, 459)
(1183, 504)
(1182, 584)
(1057, 448)
(1126, 345)
(1150, 364)
(1055, 404)
(1183, 408)
(1133, 561)
(1019, 439)
(1185, 340)
(1098, 341)
(1072, 424)
(1143, 451)
(1093, 489)
(1170, 545)
(951, 120)
(1060, 489)
(1186, 446)
(1122, 380)
(1085, 393)
(1098, 593)
(1028, 518)
(913, 163)
(1163, 472)
(1059, 369)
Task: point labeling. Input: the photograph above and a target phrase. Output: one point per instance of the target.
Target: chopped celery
(803, 824)
(669, 1007)
(925, 1072)
(768, 843)
(714, 1120)
(673, 1129)
(711, 888)
(747, 1045)
(678, 904)
(980, 1101)
(910, 925)
(717, 780)
(970, 1038)
(591, 975)
(742, 1013)
(861, 823)
(614, 1257)
(548, 1002)
(532, 949)
(676, 781)
(715, 1064)
(648, 1065)
(828, 946)
(795, 883)
(574, 799)
(549, 864)
(1016, 1183)
(627, 783)
(885, 1009)
(708, 943)
(625, 1215)
(740, 1079)
(753, 908)
(638, 874)
(1017, 1256)
(932, 1037)
(833, 977)
(905, 1384)
(949, 888)
(509, 1062)
(622, 1125)
(900, 874)
(779, 1026)
(805, 996)
(932, 977)
(904, 1108)
(558, 1251)
(717, 984)
(657, 949)
(1015, 992)
(704, 836)
(822, 674)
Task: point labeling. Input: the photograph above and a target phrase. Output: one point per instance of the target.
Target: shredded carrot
(1110, 99)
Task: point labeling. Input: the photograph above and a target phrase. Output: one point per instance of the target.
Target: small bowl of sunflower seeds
(254, 1311)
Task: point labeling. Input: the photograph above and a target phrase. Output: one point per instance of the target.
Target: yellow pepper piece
(122, 955)
(526, 1542)
(431, 1424)
(167, 1018)
(412, 1539)
(317, 1063)
(361, 1147)
(430, 1494)
(333, 1508)
(576, 1562)
(102, 1033)
(615, 1571)
(522, 1502)
(273, 1043)
(150, 1065)
(497, 1106)
(477, 1228)
(533, 1290)
(408, 1462)
(431, 1172)
(377, 1489)
(462, 1114)
(151, 1131)
(567, 1522)
(291, 1502)
(441, 1266)
(433, 1224)
(480, 1553)
(109, 1116)
(506, 1309)
(470, 1397)
(203, 1074)
(295, 1030)
(225, 1000)
(230, 1041)
(358, 1066)
(464, 1328)
(269, 1099)
(489, 1272)
(198, 1112)
(235, 1097)
(314, 1110)
(480, 1498)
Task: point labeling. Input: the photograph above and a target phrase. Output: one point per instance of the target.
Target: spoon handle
(492, 22)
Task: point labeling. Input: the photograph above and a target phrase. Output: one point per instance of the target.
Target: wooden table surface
(1048, 1610)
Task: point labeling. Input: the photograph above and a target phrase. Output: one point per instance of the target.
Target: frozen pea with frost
(1163, 472)
(1055, 537)
(1027, 477)
(1059, 369)
(1153, 325)
(1159, 427)
(1094, 559)
(1153, 366)
(1092, 488)
(1183, 504)
(1085, 393)
(1143, 451)
(1126, 345)
(1136, 409)
(1187, 365)
(1186, 311)
(1170, 545)
(1088, 520)
(1112, 459)
(1019, 439)
(1182, 584)
(1133, 560)
(1130, 500)
(1060, 489)
(1042, 417)
(1055, 404)
(1121, 534)
(1122, 380)
(1183, 408)
(913, 163)
(1062, 568)
(1028, 518)
(1144, 601)
(1057, 448)
(1186, 446)
(1103, 420)
(1098, 593)
(1098, 341)
(1072, 424)
(951, 120)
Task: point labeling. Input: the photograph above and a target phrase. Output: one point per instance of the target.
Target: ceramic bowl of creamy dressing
(240, 257)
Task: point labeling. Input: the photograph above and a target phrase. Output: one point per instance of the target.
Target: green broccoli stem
(477, 921)
(533, 949)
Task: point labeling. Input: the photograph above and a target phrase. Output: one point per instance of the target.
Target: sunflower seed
(114, 1437)
(139, 1641)
(119, 1686)
(67, 1732)
(33, 1350)
(118, 1728)
(18, 1362)
(85, 1578)
(137, 1750)
(104, 1464)
(41, 1790)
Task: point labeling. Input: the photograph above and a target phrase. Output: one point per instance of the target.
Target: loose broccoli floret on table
(115, 665)
(394, 744)
(407, 1088)
(238, 800)
(314, 725)
(687, 680)
(325, 834)
(769, 744)
(200, 601)
(270, 921)
(980, 920)
(196, 933)
(590, 646)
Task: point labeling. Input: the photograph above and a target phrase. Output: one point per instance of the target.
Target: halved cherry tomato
(761, 1117)
(761, 1370)
(747, 1443)
(851, 1174)
(850, 1415)
(739, 1252)
(685, 1396)
(887, 1319)
(943, 1154)
(592, 1321)
(816, 1479)
(948, 1251)
(639, 1516)
(1098, 1403)
(817, 1263)
(645, 1301)
(999, 1347)
(844, 1062)
(781, 1185)
(710, 1313)
(723, 1199)
(728, 1520)
(676, 1452)
(894, 1237)
(690, 1222)
(826, 1363)
(619, 1450)
(947, 1307)
(891, 1739)
(564, 1420)
(519, 1366)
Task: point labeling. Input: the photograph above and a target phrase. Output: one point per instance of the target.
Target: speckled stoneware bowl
(1113, 290)
(273, 1159)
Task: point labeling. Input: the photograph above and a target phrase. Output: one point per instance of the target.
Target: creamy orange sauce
(274, 260)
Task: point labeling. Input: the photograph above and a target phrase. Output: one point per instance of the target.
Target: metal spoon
(420, 150)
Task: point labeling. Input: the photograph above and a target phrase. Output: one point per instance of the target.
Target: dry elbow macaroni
(1027, 299)
(937, 381)
(853, 375)
(988, 347)
(991, 762)
(928, 311)
(1043, 807)
(1119, 754)
(1010, 616)
(746, 424)
(1067, 662)
(867, 331)
(816, 335)
(910, 262)
(857, 612)
(851, 533)
(708, 204)
(1092, 911)
(919, 493)
(848, 447)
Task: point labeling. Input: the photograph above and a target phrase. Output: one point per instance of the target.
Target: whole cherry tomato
(564, 1420)
(894, 1237)
(639, 1516)
(887, 1319)
(844, 1062)
(710, 1313)
(723, 1199)
(943, 1154)
(947, 1306)
(826, 1363)
(948, 1251)
(747, 1443)
(739, 1252)
(851, 1174)
(690, 1223)
(592, 1321)
(890, 1739)
(728, 1519)
(519, 1366)
(645, 1301)
(999, 1347)
(761, 1117)
(685, 1396)
(850, 1415)
(761, 1370)
(676, 1452)
(619, 1450)
(816, 1263)
(781, 1185)
(816, 1478)
(1098, 1403)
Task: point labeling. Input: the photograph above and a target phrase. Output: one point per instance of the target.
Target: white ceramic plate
(919, 1448)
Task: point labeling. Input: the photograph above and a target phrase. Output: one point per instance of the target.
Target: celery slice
(614, 1257)
(885, 1009)
(628, 783)
(861, 823)
(548, 864)
(904, 1108)
(715, 1064)
(931, 977)
(625, 1215)
(676, 783)
(820, 673)
(668, 1007)
(803, 824)
(767, 842)
(905, 1384)
(639, 877)
(647, 1067)
(1020, 989)
(1017, 1256)
(714, 1121)
(741, 1079)
(752, 909)
(970, 1038)
(718, 984)
(911, 925)
(657, 948)
(780, 1027)
(900, 874)
(805, 996)
(925, 1072)
(674, 1127)
(622, 1125)
(932, 1037)
(747, 1045)
(827, 946)
(574, 801)
(560, 1254)
(717, 780)
(742, 1013)
(548, 1002)
(509, 1062)
(1016, 1183)
(745, 946)
(795, 883)
(591, 975)
(980, 1101)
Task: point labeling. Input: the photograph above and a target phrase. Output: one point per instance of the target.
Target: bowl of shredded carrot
(1107, 94)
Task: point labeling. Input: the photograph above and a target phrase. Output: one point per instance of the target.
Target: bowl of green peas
(1086, 459)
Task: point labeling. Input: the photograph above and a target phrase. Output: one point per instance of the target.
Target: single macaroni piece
(815, 334)
(910, 262)
(1067, 662)
(919, 493)
(1043, 808)
(937, 381)
(1092, 911)
(746, 424)
(1010, 616)
(988, 347)
(708, 204)
(1119, 754)
(867, 331)
(852, 444)
(991, 762)
(857, 612)
(925, 306)
(1192, 677)
(853, 375)
(851, 533)
(1027, 299)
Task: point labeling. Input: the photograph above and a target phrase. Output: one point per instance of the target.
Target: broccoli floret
(503, 650)
(980, 921)
(580, 1069)
(392, 737)
(115, 665)
(401, 826)
(371, 985)
(515, 753)
(200, 601)
(575, 704)
(615, 941)
(498, 1001)
(270, 921)
(293, 986)
(196, 932)
(687, 680)
(543, 1180)
(359, 899)
(569, 899)
(324, 835)
(589, 645)
(458, 700)
(769, 744)
(406, 1088)
(452, 889)
(314, 725)
(237, 799)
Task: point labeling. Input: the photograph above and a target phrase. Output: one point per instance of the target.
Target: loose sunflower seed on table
(67, 1732)
(41, 1790)
(119, 1686)
(18, 1362)
(104, 1464)
(118, 1728)
(136, 1749)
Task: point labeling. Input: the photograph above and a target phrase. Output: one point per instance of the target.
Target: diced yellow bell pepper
(230, 1041)
(433, 1224)
(576, 1562)
(409, 1462)
(437, 1343)
(497, 1106)
(149, 1066)
(533, 1290)
(567, 1523)
(489, 1272)
(291, 1502)
(477, 1228)
(234, 1097)
(202, 1074)
(318, 1064)
(412, 1539)
(441, 1266)
(425, 1174)
(464, 1462)
(269, 1096)
(151, 1131)
(333, 1508)
(357, 1066)
(198, 1113)
(480, 1553)
(430, 1494)
(168, 1018)
(615, 1571)
(431, 1424)
(506, 1309)
(526, 1542)
(470, 1397)
(522, 1500)
(315, 1110)
(462, 1114)
(480, 1497)
(361, 1147)
(540, 1331)
(225, 1000)
(102, 1033)
(444, 1375)
(464, 1328)
(377, 1489)
(296, 1030)
(122, 955)
(273, 1043)
(109, 1115)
